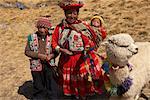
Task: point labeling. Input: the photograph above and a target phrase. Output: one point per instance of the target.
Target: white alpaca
(122, 53)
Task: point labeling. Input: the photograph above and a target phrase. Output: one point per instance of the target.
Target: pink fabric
(43, 22)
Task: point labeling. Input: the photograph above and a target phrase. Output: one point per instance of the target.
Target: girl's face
(43, 30)
(71, 15)
(96, 22)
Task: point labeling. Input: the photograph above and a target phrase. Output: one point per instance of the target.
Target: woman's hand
(66, 51)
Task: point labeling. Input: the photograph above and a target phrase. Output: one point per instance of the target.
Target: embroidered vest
(35, 65)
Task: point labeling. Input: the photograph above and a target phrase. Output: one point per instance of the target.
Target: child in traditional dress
(39, 50)
(97, 23)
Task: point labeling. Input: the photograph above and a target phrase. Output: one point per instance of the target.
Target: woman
(80, 67)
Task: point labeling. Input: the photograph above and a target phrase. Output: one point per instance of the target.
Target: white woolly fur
(121, 49)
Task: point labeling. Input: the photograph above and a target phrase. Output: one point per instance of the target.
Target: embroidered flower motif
(79, 44)
(75, 38)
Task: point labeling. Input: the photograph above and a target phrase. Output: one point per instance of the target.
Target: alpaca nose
(136, 50)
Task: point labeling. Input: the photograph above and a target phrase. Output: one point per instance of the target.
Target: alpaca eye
(125, 46)
(110, 41)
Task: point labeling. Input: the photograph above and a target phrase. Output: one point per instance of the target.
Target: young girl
(39, 50)
(97, 23)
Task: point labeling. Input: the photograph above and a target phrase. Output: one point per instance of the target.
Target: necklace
(43, 39)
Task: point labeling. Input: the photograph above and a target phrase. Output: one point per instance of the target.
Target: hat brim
(73, 6)
(100, 18)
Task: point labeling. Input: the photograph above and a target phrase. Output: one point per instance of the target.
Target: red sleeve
(103, 31)
(55, 37)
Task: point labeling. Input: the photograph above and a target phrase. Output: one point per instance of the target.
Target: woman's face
(71, 15)
(96, 22)
(42, 30)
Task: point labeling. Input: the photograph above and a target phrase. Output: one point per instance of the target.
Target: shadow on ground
(26, 89)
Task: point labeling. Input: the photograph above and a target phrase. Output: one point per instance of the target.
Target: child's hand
(42, 56)
(66, 51)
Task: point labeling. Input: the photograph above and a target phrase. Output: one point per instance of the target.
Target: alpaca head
(120, 48)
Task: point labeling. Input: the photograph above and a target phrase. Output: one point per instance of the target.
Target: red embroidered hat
(70, 4)
(43, 22)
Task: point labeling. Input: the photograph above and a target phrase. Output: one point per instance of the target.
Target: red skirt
(74, 78)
